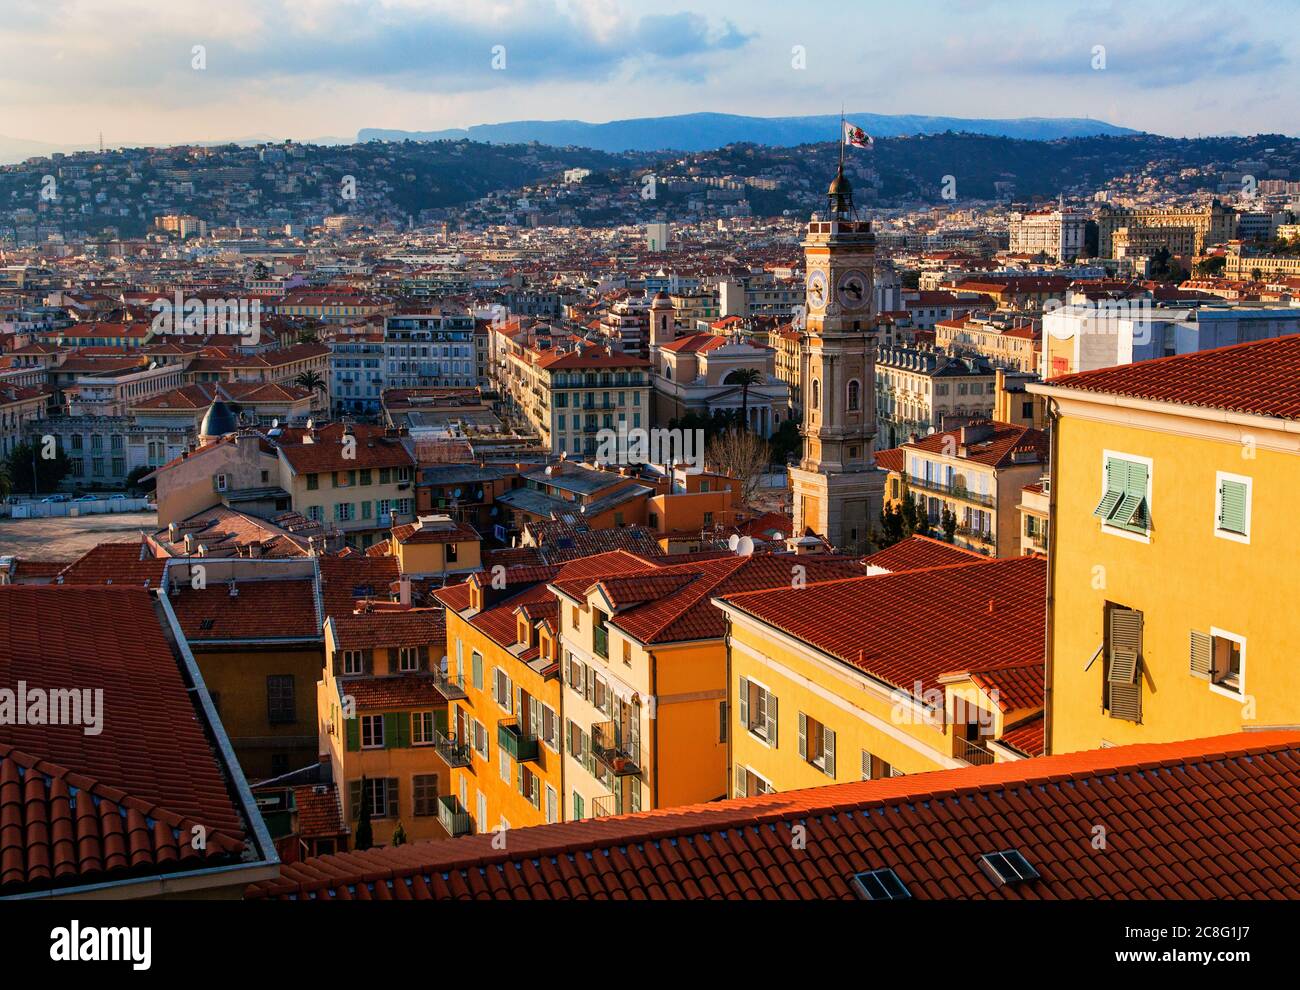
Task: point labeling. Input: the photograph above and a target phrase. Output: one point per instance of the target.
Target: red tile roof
(396, 691)
(457, 532)
(995, 449)
(319, 813)
(909, 628)
(1200, 820)
(1013, 688)
(372, 450)
(152, 756)
(116, 563)
(1260, 378)
(262, 610)
(916, 553)
(1027, 737)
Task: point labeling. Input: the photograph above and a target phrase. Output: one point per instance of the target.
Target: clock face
(851, 291)
(817, 291)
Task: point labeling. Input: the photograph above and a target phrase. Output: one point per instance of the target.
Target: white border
(1240, 693)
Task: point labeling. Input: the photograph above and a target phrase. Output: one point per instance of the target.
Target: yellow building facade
(1173, 580)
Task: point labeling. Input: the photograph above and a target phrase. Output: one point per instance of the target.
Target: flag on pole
(856, 137)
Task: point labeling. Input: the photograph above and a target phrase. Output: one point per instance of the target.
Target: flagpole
(841, 137)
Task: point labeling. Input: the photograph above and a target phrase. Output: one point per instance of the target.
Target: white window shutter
(828, 751)
(803, 736)
(771, 720)
(740, 782)
(744, 703)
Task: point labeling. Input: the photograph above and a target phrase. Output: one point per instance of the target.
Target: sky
(172, 71)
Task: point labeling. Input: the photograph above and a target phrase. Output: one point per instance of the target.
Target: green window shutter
(1232, 507)
(424, 658)
(476, 660)
(1116, 483)
(352, 732)
(803, 736)
(744, 703)
(392, 730)
(354, 798)
(1201, 655)
(390, 789)
(828, 752)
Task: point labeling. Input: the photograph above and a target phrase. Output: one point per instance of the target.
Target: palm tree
(744, 377)
(311, 381)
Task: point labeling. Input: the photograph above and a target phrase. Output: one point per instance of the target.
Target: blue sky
(308, 68)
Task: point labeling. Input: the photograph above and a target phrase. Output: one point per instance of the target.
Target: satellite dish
(745, 547)
(456, 493)
(733, 542)
(275, 422)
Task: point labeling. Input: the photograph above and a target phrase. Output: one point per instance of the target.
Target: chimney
(404, 590)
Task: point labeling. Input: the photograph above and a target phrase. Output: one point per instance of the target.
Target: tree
(399, 835)
(741, 455)
(786, 442)
(306, 336)
(1212, 266)
(745, 378)
(365, 836)
(136, 478)
(49, 471)
(948, 523)
(311, 381)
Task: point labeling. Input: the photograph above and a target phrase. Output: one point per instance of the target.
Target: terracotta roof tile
(931, 829)
(920, 552)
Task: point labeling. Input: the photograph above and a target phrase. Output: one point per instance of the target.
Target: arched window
(855, 395)
(816, 394)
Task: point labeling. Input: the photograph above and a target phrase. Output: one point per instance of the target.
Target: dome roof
(839, 184)
(219, 420)
(662, 296)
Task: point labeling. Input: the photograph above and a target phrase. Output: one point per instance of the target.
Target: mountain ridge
(706, 131)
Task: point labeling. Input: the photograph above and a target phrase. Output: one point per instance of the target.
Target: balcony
(605, 805)
(972, 753)
(960, 492)
(450, 686)
(453, 817)
(515, 740)
(620, 754)
(600, 641)
(453, 753)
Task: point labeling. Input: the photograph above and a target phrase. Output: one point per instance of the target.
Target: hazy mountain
(703, 131)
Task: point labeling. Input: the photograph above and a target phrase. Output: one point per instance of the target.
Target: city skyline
(326, 69)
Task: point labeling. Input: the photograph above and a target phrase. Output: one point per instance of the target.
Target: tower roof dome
(219, 420)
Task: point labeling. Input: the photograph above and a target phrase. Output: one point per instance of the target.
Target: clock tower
(837, 487)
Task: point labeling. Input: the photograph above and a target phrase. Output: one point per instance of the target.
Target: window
(1007, 867)
(577, 807)
(816, 394)
(577, 674)
(552, 805)
(451, 553)
(381, 793)
(372, 732)
(758, 710)
(874, 768)
(476, 669)
(855, 396)
(550, 729)
(219, 481)
(279, 699)
(480, 735)
(424, 795)
(880, 885)
(1232, 499)
(722, 721)
(1218, 657)
(502, 692)
(817, 744)
(1125, 496)
(354, 662)
(1123, 674)
(503, 763)
(421, 728)
(750, 784)
(408, 659)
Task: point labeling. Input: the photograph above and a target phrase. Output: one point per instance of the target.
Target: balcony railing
(954, 491)
(600, 641)
(609, 745)
(450, 686)
(973, 753)
(453, 752)
(605, 805)
(453, 817)
(515, 740)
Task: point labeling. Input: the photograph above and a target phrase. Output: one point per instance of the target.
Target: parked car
(86, 498)
(55, 498)
(119, 497)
